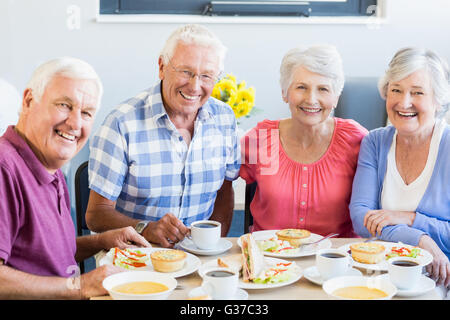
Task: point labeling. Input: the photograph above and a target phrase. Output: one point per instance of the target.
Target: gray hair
(69, 67)
(407, 61)
(193, 34)
(322, 59)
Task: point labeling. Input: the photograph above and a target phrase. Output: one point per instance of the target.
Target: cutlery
(331, 235)
(371, 239)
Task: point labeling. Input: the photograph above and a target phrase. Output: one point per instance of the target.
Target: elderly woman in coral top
(304, 165)
(401, 190)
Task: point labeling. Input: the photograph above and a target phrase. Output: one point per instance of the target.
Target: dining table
(303, 289)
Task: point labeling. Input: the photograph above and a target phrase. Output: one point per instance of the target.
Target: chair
(249, 194)
(81, 200)
(361, 101)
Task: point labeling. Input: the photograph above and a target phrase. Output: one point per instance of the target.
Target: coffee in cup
(220, 283)
(404, 272)
(332, 263)
(205, 234)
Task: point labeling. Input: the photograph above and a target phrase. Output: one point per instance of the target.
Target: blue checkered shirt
(140, 160)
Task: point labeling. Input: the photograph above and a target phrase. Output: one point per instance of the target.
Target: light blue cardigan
(433, 211)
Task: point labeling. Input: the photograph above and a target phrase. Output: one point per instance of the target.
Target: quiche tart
(168, 260)
(296, 237)
(370, 253)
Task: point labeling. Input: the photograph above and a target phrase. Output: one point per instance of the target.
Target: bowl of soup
(139, 285)
(359, 288)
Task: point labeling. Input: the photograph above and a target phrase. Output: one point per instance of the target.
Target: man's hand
(92, 282)
(122, 238)
(166, 231)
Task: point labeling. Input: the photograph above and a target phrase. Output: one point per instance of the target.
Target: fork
(331, 235)
(371, 239)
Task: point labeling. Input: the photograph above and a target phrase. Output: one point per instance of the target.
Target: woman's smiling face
(310, 97)
(410, 103)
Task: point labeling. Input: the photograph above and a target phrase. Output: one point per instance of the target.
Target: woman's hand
(439, 269)
(376, 220)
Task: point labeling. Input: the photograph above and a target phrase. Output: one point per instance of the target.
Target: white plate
(313, 275)
(300, 252)
(425, 284)
(424, 259)
(191, 265)
(240, 294)
(222, 246)
(250, 285)
(333, 284)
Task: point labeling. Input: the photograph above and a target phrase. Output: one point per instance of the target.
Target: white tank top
(396, 195)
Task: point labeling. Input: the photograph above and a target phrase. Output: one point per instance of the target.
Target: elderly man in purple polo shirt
(38, 247)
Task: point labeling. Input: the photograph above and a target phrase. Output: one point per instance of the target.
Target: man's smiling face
(181, 95)
(58, 125)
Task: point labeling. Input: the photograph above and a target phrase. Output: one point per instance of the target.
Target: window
(240, 7)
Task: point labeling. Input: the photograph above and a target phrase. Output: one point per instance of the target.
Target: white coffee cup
(205, 234)
(332, 263)
(220, 283)
(404, 272)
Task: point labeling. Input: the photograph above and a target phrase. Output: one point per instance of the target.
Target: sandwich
(252, 258)
(128, 258)
(232, 262)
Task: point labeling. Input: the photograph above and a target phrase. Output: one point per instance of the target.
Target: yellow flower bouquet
(240, 98)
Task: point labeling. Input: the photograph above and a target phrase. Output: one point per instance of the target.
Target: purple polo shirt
(37, 234)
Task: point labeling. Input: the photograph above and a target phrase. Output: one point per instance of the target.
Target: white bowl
(131, 276)
(356, 281)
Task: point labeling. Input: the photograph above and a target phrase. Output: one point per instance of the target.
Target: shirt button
(305, 168)
(303, 203)
(301, 219)
(304, 185)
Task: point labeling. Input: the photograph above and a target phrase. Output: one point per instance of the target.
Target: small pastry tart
(370, 253)
(168, 260)
(296, 237)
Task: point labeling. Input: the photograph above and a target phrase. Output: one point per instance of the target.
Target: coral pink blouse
(305, 196)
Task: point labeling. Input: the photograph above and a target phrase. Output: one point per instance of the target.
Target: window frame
(335, 9)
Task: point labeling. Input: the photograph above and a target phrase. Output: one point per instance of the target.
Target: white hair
(69, 67)
(409, 60)
(194, 34)
(322, 59)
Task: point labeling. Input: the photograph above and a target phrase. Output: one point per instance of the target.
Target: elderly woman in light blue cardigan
(401, 189)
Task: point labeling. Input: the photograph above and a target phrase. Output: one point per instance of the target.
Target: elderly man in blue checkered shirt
(168, 156)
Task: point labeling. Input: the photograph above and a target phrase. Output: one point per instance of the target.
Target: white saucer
(313, 275)
(222, 246)
(425, 284)
(191, 265)
(240, 294)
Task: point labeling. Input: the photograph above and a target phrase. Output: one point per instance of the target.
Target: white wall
(125, 54)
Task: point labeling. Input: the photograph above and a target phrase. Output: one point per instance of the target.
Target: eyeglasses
(207, 79)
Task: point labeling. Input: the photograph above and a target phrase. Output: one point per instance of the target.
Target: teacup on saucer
(313, 275)
(198, 292)
(222, 246)
(424, 285)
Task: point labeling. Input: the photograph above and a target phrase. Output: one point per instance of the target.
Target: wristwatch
(141, 226)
